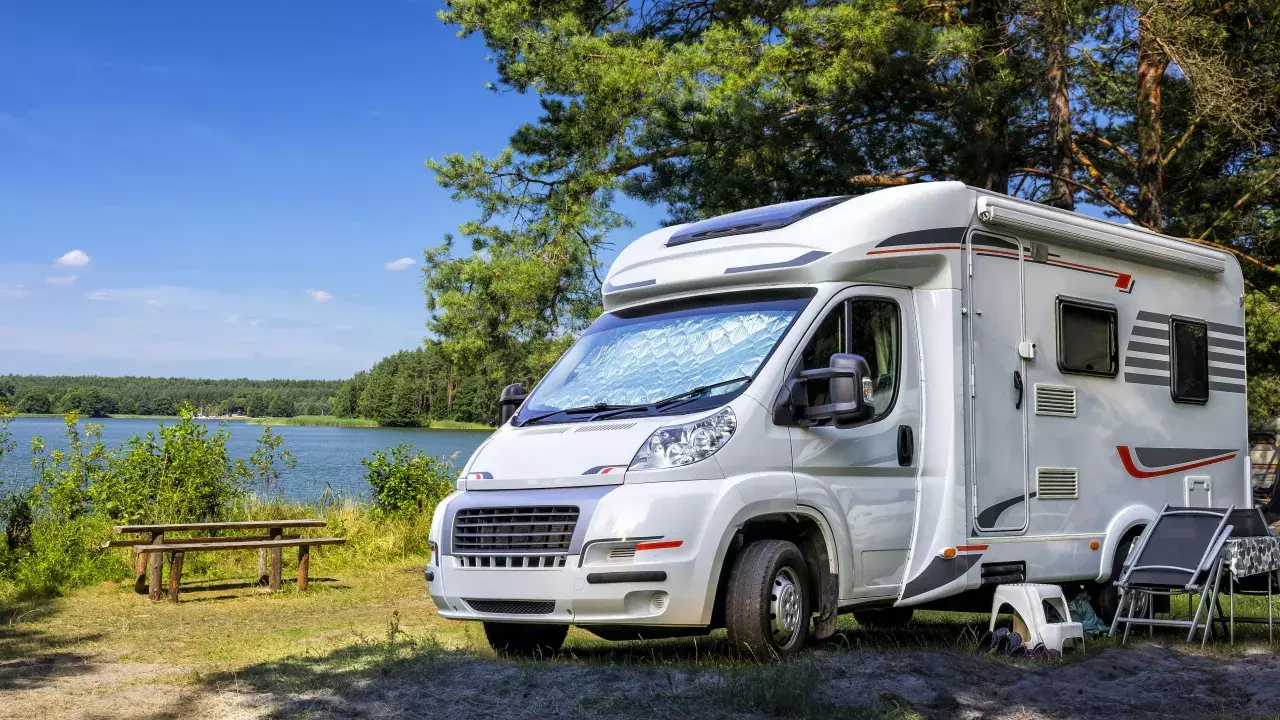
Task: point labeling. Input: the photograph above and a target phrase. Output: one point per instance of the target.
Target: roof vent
(770, 217)
(1057, 483)
(1055, 400)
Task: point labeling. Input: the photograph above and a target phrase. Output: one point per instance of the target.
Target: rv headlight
(685, 444)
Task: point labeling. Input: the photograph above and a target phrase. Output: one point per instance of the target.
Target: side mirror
(509, 401)
(848, 397)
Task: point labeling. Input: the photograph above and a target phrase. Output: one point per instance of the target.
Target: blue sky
(235, 176)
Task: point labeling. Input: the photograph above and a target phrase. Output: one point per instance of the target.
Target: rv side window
(1088, 342)
(873, 334)
(1189, 351)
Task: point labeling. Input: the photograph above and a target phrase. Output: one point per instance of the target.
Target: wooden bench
(152, 546)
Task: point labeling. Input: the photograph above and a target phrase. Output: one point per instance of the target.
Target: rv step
(1003, 573)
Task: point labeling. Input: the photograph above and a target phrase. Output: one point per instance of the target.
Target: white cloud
(60, 279)
(75, 258)
(399, 264)
(155, 303)
(13, 291)
(320, 295)
(255, 322)
(99, 295)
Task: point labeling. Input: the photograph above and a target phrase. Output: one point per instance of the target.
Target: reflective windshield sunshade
(770, 217)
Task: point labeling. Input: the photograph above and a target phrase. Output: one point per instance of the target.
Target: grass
(457, 425)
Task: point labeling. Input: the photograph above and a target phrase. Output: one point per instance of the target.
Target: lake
(327, 456)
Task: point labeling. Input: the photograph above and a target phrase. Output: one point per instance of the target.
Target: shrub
(406, 481)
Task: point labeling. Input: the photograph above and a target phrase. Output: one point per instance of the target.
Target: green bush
(406, 481)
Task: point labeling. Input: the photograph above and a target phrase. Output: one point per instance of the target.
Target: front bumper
(667, 586)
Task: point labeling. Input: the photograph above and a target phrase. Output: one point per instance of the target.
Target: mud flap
(824, 626)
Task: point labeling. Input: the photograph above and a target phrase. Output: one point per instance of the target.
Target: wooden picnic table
(152, 548)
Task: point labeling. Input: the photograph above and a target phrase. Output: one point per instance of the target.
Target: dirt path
(1147, 681)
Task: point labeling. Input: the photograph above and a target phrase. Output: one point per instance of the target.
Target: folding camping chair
(1178, 554)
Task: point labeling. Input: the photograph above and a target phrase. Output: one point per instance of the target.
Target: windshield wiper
(672, 401)
(598, 407)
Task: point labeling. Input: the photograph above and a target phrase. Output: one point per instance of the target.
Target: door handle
(906, 445)
(1017, 385)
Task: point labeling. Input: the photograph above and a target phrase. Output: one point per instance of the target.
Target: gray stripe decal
(939, 572)
(1158, 333)
(1164, 457)
(1226, 373)
(1226, 329)
(1145, 316)
(1147, 379)
(804, 259)
(1226, 387)
(609, 287)
(1146, 363)
(981, 240)
(987, 518)
(932, 236)
(1224, 358)
(1228, 344)
(1135, 346)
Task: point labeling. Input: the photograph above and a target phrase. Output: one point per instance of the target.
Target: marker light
(685, 444)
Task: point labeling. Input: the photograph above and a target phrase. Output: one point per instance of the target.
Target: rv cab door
(998, 393)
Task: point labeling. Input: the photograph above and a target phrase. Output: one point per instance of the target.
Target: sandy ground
(1143, 681)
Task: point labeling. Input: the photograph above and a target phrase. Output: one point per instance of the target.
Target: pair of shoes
(992, 640)
(1040, 652)
(1014, 646)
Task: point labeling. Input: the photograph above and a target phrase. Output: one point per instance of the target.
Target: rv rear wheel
(524, 639)
(884, 617)
(767, 608)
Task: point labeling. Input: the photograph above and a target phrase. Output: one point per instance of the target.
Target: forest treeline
(95, 396)
(406, 389)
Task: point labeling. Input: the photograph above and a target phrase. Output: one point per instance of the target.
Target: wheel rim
(786, 606)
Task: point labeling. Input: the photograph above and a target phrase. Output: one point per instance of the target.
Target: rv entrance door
(998, 388)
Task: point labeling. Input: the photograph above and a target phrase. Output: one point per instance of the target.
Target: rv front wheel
(525, 640)
(767, 608)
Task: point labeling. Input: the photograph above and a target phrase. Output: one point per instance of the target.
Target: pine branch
(1105, 192)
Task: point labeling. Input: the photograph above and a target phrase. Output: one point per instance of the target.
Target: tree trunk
(1062, 159)
(992, 127)
(1151, 66)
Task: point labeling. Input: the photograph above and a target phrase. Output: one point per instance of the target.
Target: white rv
(863, 404)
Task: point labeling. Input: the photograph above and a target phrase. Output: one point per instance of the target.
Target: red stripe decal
(887, 251)
(970, 548)
(1132, 468)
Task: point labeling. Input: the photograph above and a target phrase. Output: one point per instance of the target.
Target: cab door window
(864, 326)
(874, 331)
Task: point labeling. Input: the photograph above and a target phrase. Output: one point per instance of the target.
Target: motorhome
(851, 404)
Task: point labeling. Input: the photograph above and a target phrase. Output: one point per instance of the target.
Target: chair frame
(1209, 567)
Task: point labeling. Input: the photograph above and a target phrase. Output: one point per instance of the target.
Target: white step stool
(1027, 600)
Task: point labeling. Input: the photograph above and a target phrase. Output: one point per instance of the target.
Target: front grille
(513, 607)
(507, 530)
(511, 562)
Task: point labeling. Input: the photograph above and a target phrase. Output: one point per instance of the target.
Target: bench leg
(304, 561)
(154, 571)
(139, 572)
(274, 583)
(175, 575)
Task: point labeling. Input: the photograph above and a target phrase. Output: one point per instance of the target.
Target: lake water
(327, 456)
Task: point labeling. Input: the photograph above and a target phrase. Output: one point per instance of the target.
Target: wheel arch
(1121, 525)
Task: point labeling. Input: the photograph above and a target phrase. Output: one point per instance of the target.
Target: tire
(1107, 600)
(767, 608)
(885, 617)
(525, 640)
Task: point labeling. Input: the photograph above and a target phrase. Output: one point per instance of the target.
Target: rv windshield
(637, 358)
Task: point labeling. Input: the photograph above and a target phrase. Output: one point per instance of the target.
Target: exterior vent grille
(544, 530)
(511, 562)
(605, 427)
(1057, 483)
(619, 554)
(546, 431)
(513, 607)
(1056, 400)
